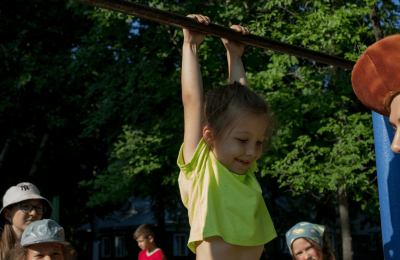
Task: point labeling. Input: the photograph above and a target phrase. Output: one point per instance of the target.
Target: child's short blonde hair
(224, 104)
(143, 231)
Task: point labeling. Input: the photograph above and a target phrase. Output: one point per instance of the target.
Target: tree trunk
(4, 152)
(338, 230)
(376, 23)
(345, 225)
(40, 152)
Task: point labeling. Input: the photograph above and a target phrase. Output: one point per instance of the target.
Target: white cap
(23, 191)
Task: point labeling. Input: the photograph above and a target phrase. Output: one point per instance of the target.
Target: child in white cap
(42, 239)
(22, 204)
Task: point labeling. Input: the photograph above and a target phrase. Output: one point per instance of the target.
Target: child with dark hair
(225, 134)
(308, 241)
(144, 236)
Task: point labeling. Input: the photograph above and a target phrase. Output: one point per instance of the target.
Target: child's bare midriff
(215, 248)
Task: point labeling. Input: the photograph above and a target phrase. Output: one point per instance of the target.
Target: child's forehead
(249, 124)
(45, 246)
(141, 238)
(302, 243)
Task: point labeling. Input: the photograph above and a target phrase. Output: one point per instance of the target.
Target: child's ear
(151, 239)
(7, 213)
(208, 135)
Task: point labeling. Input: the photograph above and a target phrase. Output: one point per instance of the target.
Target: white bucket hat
(23, 191)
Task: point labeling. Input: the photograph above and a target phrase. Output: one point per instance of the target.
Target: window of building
(105, 247)
(119, 246)
(180, 247)
(333, 241)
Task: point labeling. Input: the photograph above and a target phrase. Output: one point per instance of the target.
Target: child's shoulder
(142, 255)
(201, 155)
(158, 254)
(162, 255)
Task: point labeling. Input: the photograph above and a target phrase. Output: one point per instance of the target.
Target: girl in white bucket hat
(22, 204)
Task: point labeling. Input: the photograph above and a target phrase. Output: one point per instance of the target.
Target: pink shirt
(155, 255)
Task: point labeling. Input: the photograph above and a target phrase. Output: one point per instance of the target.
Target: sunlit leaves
(135, 158)
(325, 138)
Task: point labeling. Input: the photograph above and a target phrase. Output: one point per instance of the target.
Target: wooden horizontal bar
(161, 16)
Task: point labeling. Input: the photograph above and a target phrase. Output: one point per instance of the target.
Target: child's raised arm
(234, 54)
(192, 88)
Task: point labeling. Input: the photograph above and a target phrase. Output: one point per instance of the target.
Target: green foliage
(133, 164)
(342, 165)
(326, 139)
(37, 90)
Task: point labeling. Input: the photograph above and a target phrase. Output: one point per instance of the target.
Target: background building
(115, 234)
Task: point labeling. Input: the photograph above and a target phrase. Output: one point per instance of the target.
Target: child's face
(240, 146)
(45, 251)
(144, 243)
(20, 219)
(304, 250)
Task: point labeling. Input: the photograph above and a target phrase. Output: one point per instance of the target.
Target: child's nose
(33, 213)
(251, 150)
(396, 142)
(249, 153)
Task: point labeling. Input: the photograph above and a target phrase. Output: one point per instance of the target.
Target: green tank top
(222, 203)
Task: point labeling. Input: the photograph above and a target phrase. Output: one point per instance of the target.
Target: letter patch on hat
(24, 187)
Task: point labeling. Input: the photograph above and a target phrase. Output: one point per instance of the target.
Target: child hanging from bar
(224, 137)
